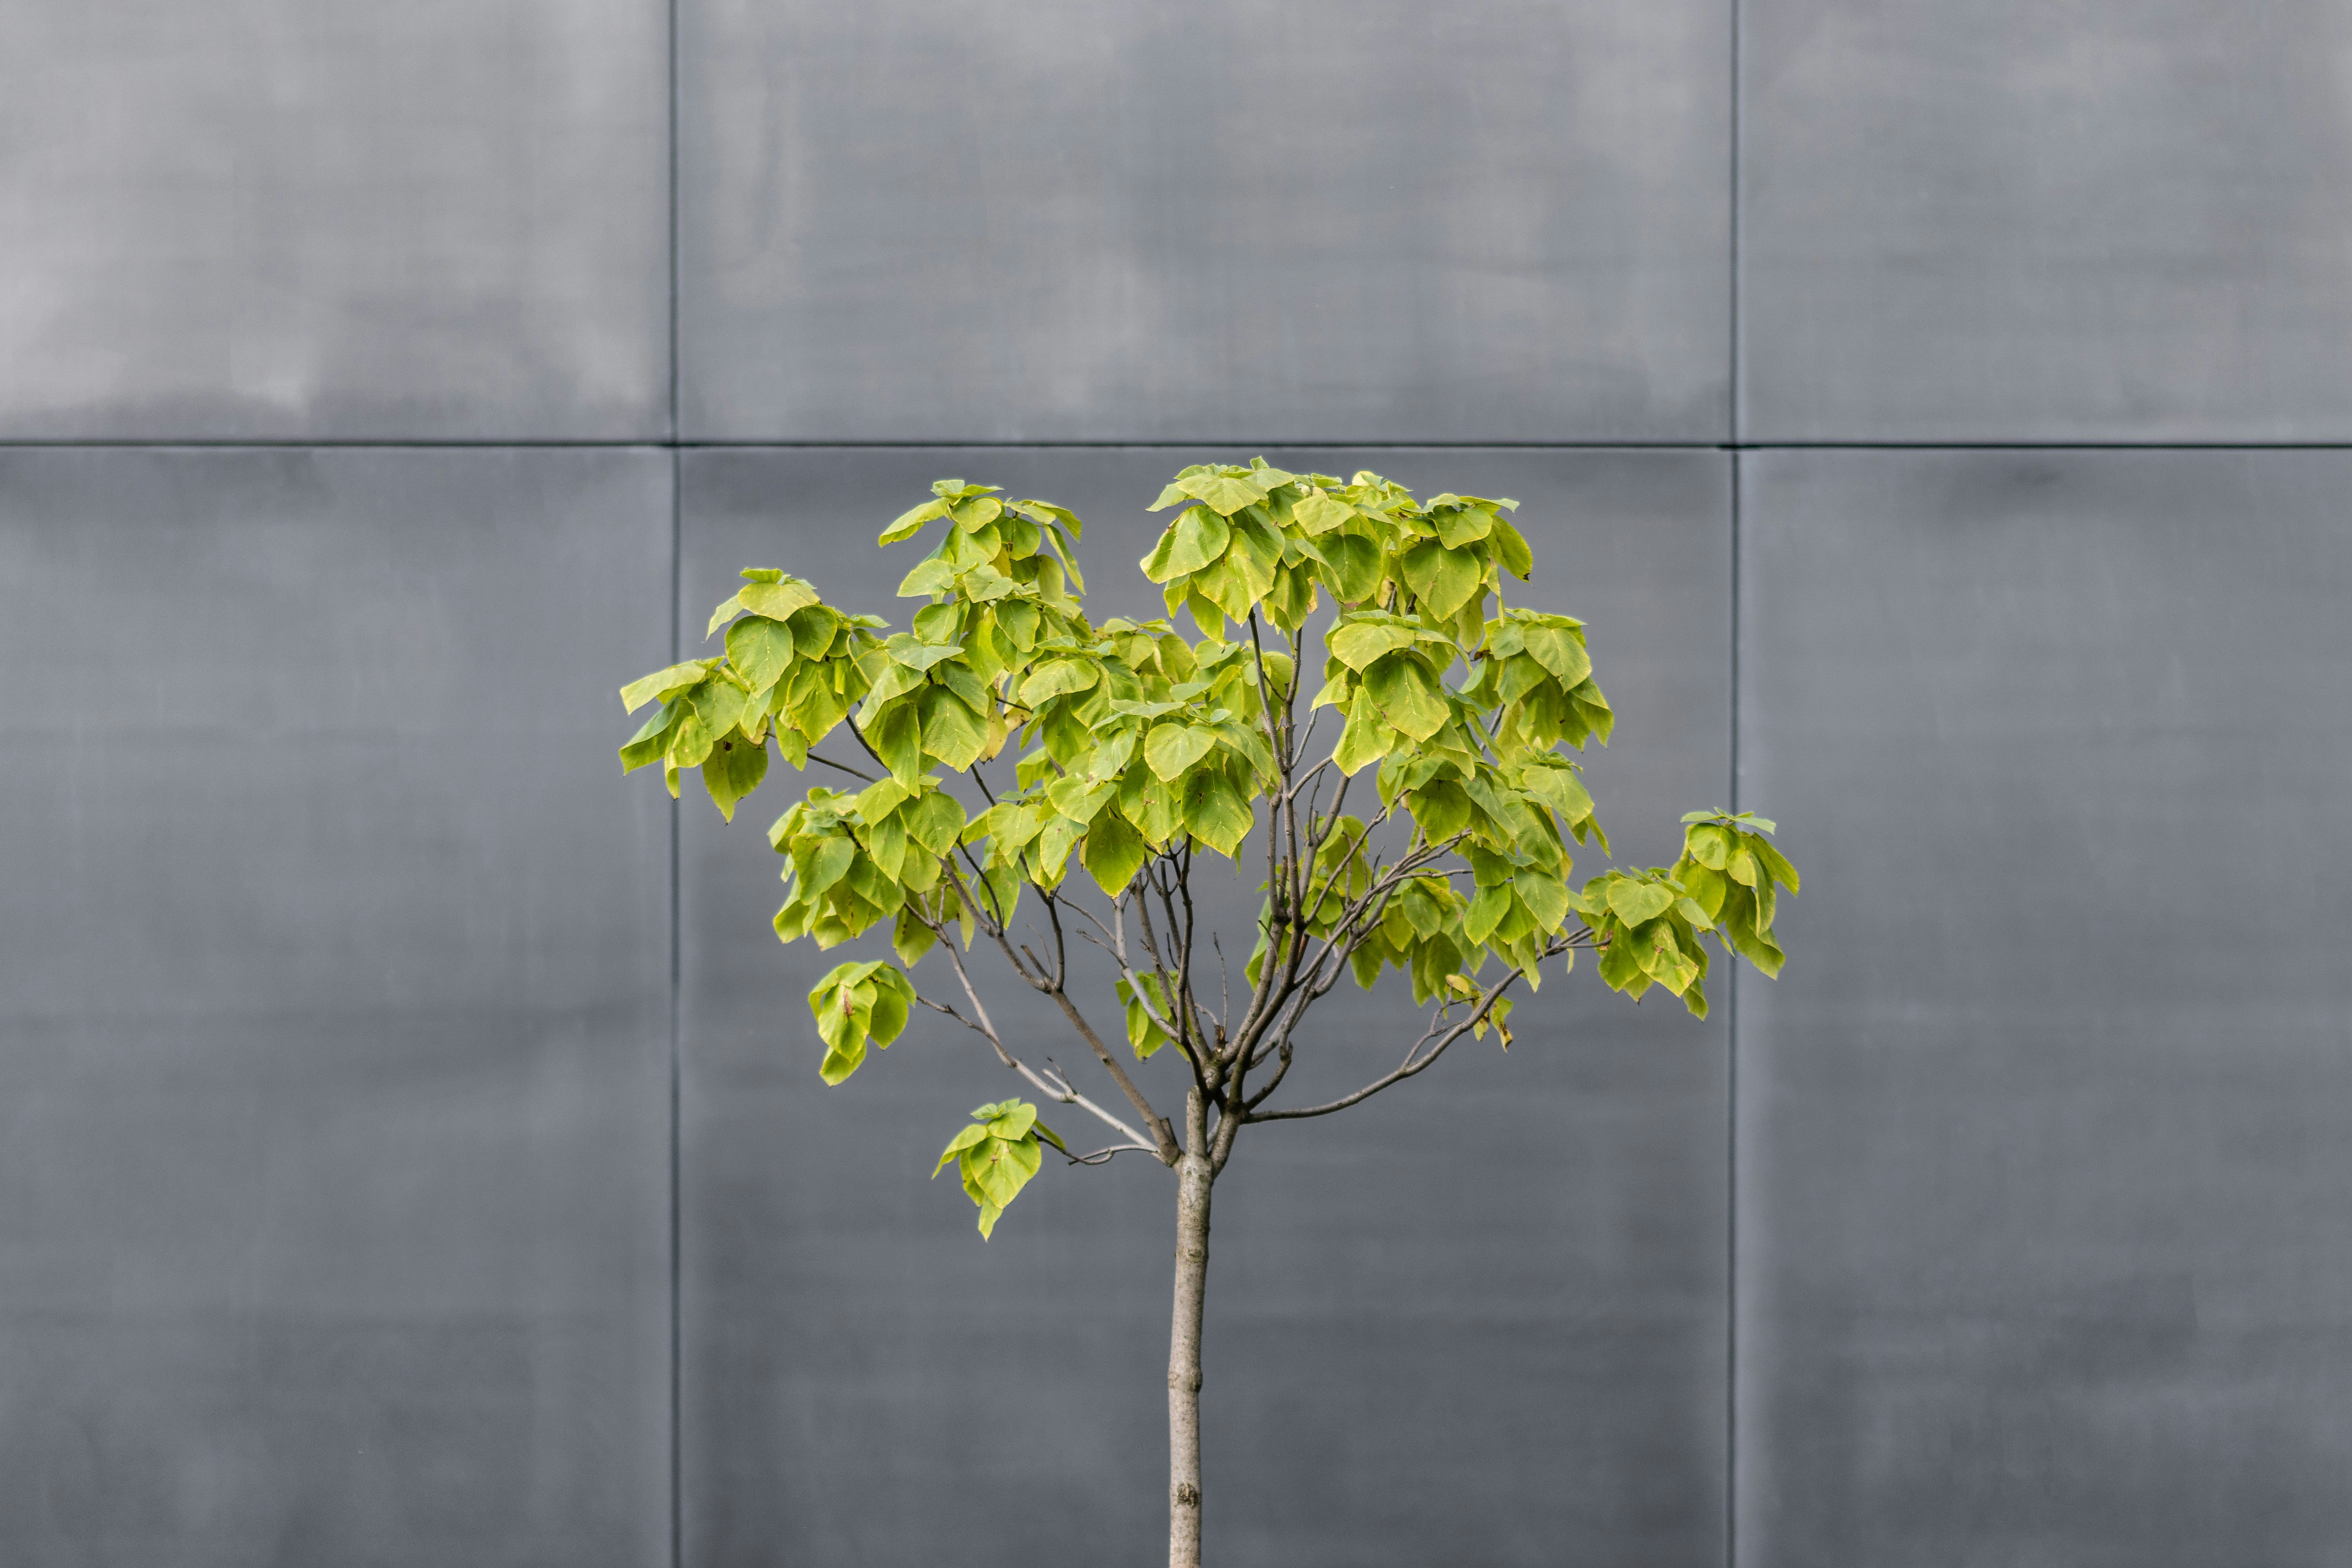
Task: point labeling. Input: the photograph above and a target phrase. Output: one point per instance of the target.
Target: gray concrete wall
(413, 1152)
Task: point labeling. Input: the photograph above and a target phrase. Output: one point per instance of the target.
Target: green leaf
(1560, 652)
(1227, 494)
(1113, 853)
(1358, 643)
(904, 649)
(778, 601)
(934, 821)
(1454, 580)
(828, 864)
(1215, 811)
(1546, 899)
(1366, 738)
(995, 1170)
(1000, 1167)
(664, 684)
(718, 702)
(930, 576)
(912, 522)
(1511, 549)
(1620, 966)
(1407, 695)
(733, 770)
(1143, 1035)
(1467, 525)
(1708, 844)
(1054, 846)
(853, 1003)
(1059, 678)
(760, 650)
(1637, 901)
(690, 741)
(1486, 912)
(896, 736)
(910, 938)
(1355, 570)
(971, 516)
(952, 731)
(1078, 798)
(881, 800)
(651, 739)
(813, 629)
(895, 999)
(1013, 1124)
(964, 1139)
(1061, 515)
(1777, 863)
(1561, 789)
(1173, 748)
(1320, 512)
(1196, 538)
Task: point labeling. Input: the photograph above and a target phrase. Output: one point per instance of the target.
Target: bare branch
(1313, 774)
(1164, 1144)
(1102, 1156)
(1415, 1060)
(844, 767)
(1061, 1093)
(858, 730)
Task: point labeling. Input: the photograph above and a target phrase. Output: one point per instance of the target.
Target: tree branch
(1413, 1062)
(844, 767)
(1062, 1094)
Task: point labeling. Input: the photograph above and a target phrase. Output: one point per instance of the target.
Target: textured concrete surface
(2005, 220)
(2045, 1255)
(1208, 220)
(334, 991)
(323, 219)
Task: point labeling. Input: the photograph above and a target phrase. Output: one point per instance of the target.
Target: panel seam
(677, 590)
(643, 443)
(1731, 997)
(676, 1163)
(1731, 1105)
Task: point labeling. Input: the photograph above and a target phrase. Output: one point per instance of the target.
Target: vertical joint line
(673, 223)
(676, 1501)
(1731, 1104)
(1733, 281)
(677, 588)
(1731, 1019)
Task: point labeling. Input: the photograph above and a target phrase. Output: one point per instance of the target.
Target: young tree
(1138, 751)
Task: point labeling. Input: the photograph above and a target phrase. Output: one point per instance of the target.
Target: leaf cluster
(997, 1154)
(1133, 749)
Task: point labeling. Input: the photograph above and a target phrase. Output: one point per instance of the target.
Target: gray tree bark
(1193, 1177)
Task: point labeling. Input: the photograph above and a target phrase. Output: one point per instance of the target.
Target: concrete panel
(2122, 220)
(1477, 1320)
(333, 980)
(327, 218)
(1205, 219)
(2046, 1136)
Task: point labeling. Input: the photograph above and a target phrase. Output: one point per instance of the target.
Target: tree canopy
(1135, 748)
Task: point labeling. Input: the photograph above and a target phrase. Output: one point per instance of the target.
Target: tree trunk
(1192, 1180)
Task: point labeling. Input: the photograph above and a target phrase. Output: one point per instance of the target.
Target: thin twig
(844, 767)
